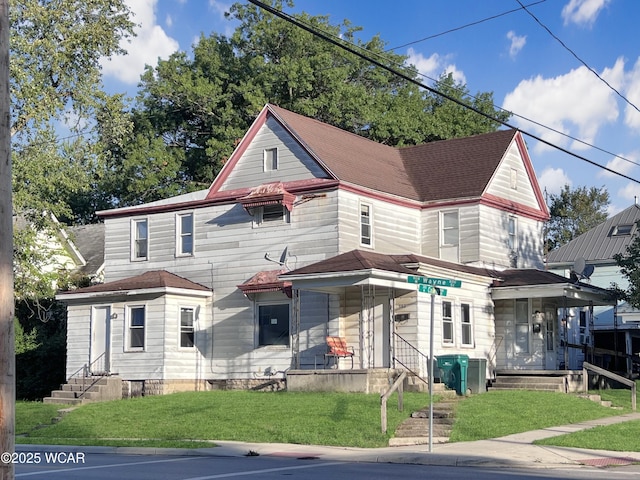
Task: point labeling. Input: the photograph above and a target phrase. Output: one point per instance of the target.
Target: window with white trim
(447, 322)
(270, 159)
(522, 325)
(184, 234)
(187, 327)
(136, 327)
(450, 229)
(273, 324)
(466, 324)
(366, 230)
(139, 239)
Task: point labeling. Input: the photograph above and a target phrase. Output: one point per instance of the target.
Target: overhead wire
(564, 45)
(355, 51)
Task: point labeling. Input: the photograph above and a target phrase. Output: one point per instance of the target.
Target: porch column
(295, 327)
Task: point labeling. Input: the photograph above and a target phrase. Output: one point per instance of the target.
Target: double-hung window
(187, 327)
(522, 325)
(136, 327)
(366, 233)
(466, 324)
(273, 324)
(184, 234)
(447, 323)
(139, 239)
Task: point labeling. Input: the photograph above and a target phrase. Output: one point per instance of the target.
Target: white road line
(266, 470)
(95, 467)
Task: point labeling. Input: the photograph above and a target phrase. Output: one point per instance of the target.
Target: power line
(462, 27)
(352, 49)
(577, 57)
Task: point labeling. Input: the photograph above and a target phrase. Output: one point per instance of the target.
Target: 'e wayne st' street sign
(434, 282)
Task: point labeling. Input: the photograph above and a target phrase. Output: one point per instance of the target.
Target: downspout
(566, 333)
(212, 312)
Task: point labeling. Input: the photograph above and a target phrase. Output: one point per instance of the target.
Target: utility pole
(7, 354)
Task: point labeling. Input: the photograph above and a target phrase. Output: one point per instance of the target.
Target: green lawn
(284, 417)
(196, 419)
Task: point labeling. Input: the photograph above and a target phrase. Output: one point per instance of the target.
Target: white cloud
(620, 165)
(219, 7)
(169, 21)
(434, 66)
(583, 12)
(553, 180)
(517, 43)
(632, 116)
(150, 44)
(576, 100)
(630, 192)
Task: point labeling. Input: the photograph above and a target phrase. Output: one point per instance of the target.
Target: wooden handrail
(613, 376)
(397, 385)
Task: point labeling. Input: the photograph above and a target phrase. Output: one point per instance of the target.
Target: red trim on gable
(239, 151)
(528, 165)
(513, 207)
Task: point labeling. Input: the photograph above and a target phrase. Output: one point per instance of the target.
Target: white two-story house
(311, 231)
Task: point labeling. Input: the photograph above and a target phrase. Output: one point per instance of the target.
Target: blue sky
(548, 65)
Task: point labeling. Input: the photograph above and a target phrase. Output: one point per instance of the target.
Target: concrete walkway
(515, 451)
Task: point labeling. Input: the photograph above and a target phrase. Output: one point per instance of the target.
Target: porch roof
(532, 283)
(156, 281)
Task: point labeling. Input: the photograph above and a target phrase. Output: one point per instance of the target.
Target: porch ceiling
(334, 282)
(573, 295)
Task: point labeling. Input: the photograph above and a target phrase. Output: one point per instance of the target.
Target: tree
(629, 264)
(573, 212)
(200, 105)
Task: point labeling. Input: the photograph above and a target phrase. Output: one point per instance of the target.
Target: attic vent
(620, 230)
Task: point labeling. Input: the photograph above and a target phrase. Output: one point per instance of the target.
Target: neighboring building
(592, 254)
(311, 231)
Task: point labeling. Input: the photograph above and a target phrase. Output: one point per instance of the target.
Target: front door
(99, 349)
(381, 328)
(550, 324)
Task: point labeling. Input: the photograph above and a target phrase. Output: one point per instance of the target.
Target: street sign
(432, 290)
(436, 282)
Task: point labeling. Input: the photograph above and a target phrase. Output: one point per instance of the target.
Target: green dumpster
(453, 370)
(477, 375)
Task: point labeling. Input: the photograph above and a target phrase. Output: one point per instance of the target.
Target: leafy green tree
(573, 212)
(629, 263)
(200, 105)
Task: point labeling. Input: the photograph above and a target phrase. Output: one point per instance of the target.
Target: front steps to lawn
(96, 389)
(563, 381)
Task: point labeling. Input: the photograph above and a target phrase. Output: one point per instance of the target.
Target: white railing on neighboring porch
(601, 371)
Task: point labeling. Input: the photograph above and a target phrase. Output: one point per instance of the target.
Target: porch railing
(89, 374)
(601, 371)
(397, 385)
(410, 358)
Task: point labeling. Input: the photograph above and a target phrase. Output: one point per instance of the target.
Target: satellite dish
(588, 271)
(579, 266)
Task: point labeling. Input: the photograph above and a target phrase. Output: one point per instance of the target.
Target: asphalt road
(157, 467)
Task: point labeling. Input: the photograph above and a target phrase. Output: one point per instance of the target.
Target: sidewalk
(515, 451)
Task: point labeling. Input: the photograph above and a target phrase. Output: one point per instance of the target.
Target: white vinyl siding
(293, 162)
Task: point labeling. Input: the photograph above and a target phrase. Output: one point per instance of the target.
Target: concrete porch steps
(545, 383)
(97, 389)
(415, 429)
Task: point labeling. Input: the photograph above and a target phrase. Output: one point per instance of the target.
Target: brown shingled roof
(153, 279)
(446, 169)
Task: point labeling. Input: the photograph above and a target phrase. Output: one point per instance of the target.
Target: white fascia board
(185, 292)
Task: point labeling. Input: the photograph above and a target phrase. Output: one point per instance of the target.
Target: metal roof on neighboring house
(600, 243)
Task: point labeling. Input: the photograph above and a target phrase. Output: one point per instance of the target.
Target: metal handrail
(397, 385)
(415, 358)
(86, 370)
